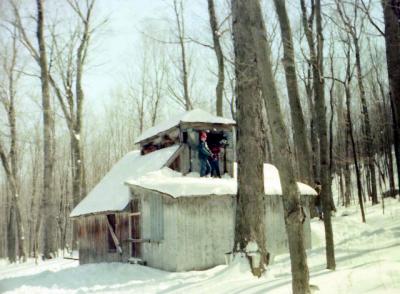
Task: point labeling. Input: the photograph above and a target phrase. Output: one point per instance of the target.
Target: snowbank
(195, 115)
(110, 194)
(176, 185)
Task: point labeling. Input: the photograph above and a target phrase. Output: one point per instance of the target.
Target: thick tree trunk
(77, 179)
(250, 211)
(48, 205)
(392, 39)
(220, 57)
(302, 148)
(283, 156)
(11, 234)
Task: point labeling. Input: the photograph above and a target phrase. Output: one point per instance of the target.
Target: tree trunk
(351, 135)
(368, 135)
(11, 232)
(294, 214)
(332, 167)
(10, 160)
(347, 174)
(341, 187)
(392, 39)
(316, 60)
(220, 57)
(78, 180)
(389, 156)
(181, 34)
(48, 205)
(307, 23)
(318, 74)
(250, 210)
(302, 148)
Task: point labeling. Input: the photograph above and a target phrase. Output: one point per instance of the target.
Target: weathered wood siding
(205, 231)
(93, 239)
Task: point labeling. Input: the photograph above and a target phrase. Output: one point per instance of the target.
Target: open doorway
(217, 143)
(134, 228)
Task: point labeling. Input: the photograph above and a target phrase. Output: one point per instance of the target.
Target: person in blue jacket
(204, 155)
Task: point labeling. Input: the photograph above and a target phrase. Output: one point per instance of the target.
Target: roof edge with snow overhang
(111, 194)
(192, 116)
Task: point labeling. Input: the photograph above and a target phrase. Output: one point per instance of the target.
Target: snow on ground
(367, 256)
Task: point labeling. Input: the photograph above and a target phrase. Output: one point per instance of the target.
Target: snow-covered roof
(111, 194)
(176, 185)
(193, 116)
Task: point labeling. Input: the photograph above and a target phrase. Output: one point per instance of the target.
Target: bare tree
(215, 30)
(70, 60)
(302, 148)
(350, 131)
(180, 27)
(283, 157)
(310, 82)
(48, 200)
(317, 63)
(351, 27)
(9, 158)
(147, 83)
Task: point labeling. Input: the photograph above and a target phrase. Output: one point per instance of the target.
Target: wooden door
(134, 221)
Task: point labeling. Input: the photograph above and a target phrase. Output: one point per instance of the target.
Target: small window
(111, 243)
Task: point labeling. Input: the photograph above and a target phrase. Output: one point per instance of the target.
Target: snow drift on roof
(111, 194)
(175, 184)
(195, 115)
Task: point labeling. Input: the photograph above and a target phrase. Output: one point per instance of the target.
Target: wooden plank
(135, 214)
(114, 237)
(138, 240)
(174, 156)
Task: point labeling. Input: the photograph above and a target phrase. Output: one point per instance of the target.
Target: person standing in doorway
(204, 155)
(214, 161)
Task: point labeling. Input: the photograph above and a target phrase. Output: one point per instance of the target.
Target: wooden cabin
(153, 208)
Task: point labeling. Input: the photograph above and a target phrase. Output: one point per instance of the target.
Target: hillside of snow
(367, 257)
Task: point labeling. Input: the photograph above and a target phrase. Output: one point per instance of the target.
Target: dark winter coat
(204, 151)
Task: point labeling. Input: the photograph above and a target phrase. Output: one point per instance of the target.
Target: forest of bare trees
(314, 86)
